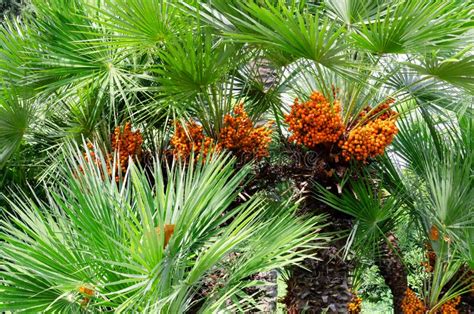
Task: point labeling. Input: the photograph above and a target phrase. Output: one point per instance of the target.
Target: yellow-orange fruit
(238, 135)
(411, 304)
(434, 233)
(368, 140)
(190, 138)
(449, 307)
(241, 137)
(355, 306)
(86, 291)
(125, 143)
(381, 111)
(315, 121)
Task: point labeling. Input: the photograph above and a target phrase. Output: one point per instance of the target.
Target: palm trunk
(393, 270)
(265, 296)
(324, 284)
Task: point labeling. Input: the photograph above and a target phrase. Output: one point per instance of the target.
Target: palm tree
(79, 68)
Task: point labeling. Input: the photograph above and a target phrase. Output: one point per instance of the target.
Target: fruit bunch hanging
(315, 121)
(125, 144)
(411, 304)
(368, 140)
(190, 138)
(238, 135)
(87, 293)
(373, 132)
(318, 122)
(382, 111)
(450, 306)
(355, 306)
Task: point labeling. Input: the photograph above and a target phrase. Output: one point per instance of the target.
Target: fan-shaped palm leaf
(413, 26)
(16, 116)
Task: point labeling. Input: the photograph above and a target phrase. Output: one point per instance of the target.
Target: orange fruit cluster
(190, 138)
(125, 143)
(449, 307)
(355, 306)
(86, 291)
(411, 304)
(315, 121)
(434, 233)
(96, 160)
(240, 136)
(368, 140)
(87, 294)
(382, 111)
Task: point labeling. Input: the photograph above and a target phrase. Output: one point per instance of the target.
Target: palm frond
(193, 62)
(376, 213)
(457, 70)
(67, 58)
(16, 116)
(14, 39)
(413, 26)
(283, 28)
(138, 26)
(351, 12)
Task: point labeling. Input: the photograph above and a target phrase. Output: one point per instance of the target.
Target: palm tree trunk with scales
(323, 284)
(393, 270)
(267, 295)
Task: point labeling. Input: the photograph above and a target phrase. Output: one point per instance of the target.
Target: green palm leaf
(16, 116)
(413, 26)
(68, 58)
(138, 26)
(458, 71)
(15, 38)
(283, 28)
(376, 213)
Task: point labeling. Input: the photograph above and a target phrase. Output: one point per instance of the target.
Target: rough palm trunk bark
(266, 296)
(393, 270)
(11, 7)
(324, 284)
